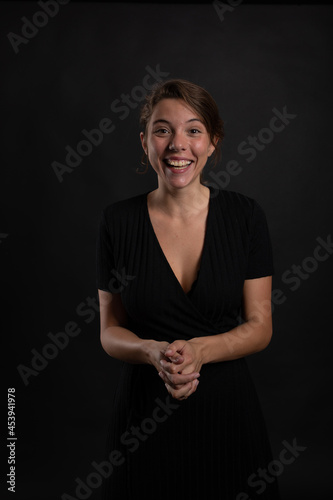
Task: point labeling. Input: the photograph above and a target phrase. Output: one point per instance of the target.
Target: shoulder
(240, 209)
(234, 201)
(121, 209)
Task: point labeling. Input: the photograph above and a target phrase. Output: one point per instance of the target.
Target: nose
(177, 142)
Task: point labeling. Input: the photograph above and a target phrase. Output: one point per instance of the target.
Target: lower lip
(179, 170)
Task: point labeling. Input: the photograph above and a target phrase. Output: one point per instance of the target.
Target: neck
(180, 202)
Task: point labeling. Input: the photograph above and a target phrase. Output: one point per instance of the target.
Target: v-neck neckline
(204, 248)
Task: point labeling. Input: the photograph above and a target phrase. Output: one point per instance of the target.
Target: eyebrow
(162, 120)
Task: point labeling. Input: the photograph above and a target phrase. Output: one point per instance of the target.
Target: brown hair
(195, 97)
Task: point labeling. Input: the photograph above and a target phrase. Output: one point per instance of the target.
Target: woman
(183, 276)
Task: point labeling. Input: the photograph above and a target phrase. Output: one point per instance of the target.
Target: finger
(183, 363)
(167, 381)
(169, 351)
(175, 346)
(172, 367)
(177, 376)
(180, 392)
(184, 392)
(177, 380)
(195, 384)
(193, 388)
(177, 358)
(178, 369)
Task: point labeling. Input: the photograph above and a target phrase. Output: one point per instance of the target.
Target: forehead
(173, 110)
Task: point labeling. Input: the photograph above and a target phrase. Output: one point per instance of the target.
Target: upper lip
(177, 158)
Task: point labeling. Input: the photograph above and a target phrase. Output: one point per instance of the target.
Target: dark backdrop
(257, 61)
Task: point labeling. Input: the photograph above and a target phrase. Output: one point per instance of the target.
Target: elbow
(261, 331)
(105, 339)
(266, 336)
(102, 341)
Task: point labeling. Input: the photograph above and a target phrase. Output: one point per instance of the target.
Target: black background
(62, 81)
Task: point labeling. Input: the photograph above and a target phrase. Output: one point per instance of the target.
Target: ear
(211, 148)
(143, 142)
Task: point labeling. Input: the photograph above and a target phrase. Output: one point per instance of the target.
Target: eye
(195, 131)
(161, 131)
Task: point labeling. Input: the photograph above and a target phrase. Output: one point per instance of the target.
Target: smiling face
(177, 143)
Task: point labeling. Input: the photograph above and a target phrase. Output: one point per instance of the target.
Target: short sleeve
(260, 261)
(106, 274)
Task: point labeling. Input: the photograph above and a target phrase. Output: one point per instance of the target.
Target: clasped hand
(180, 368)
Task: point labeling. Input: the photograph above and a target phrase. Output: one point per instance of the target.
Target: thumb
(172, 349)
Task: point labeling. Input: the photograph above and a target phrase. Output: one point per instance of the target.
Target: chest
(182, 244)
(157, 263)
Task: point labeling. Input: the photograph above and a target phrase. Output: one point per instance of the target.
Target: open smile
(177, 165)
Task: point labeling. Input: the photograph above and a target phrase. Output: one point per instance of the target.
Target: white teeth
(180, 163)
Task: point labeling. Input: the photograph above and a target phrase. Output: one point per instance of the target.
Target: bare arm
(250, 337)
(121, 343)
(116, 339)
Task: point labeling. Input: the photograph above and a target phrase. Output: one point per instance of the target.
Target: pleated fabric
(212, 445)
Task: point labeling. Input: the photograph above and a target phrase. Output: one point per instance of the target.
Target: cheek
(156, 147)
(155, 153)
(201, 149)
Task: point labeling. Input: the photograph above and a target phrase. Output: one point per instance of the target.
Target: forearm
(243, 340)
(123, 344)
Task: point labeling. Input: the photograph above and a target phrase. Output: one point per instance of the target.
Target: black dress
(211, 445)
